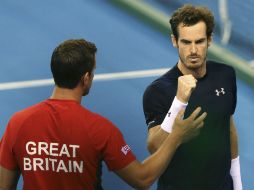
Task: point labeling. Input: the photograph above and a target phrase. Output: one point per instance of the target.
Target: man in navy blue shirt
(210, 161)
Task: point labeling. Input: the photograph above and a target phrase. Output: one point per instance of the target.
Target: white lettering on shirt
(43, 156)
(30, 149)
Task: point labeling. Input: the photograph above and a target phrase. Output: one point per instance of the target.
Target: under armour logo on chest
(219, 92)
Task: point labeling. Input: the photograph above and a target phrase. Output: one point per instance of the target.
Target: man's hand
(186, 84)
(188, 128)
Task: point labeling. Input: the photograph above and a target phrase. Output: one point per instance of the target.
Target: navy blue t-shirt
(204, 162)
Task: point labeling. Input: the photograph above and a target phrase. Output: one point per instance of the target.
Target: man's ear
(85, 79)
(174, 41)
(209, 40)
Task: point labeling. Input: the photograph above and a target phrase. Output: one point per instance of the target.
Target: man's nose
(193, 48)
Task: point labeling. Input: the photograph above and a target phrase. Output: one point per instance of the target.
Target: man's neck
(66, 94)
(197, 73)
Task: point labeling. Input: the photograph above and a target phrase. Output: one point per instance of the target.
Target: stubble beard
(193, 66)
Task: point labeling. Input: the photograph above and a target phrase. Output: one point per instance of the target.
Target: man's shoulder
(96, 117)
(219, 67)
(46, 108)
(165, 81)
(99, 127)
(26, 112)
(20, 117)
(160, 90)
(97, 121)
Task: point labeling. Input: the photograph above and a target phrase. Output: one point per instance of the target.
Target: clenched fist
(186, 84)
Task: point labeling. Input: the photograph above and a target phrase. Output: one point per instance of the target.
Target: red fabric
(58, 144)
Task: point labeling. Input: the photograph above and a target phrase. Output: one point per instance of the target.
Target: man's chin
(85, 93)
(194, 65)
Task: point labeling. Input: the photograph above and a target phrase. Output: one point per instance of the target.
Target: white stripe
(98, 77)
(226, 23)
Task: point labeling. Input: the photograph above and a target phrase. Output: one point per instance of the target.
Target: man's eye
(186, 42)
(200, 42)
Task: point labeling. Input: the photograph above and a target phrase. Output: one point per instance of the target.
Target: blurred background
(134, 48)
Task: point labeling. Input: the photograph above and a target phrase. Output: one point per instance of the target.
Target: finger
(190, 76)
(194, 113)
(200, 118)
(196, 133)
(194, 81)
(193, 86)
(200, 125)
(180, 114)
(189, 79)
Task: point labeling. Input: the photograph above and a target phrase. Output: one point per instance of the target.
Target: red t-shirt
(58, 144)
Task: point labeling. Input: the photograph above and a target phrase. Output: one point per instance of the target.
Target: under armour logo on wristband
(222, 91)
(169, 113)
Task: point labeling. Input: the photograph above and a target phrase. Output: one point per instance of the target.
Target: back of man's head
(71, 60)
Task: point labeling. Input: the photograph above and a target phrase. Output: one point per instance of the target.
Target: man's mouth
(193, 58)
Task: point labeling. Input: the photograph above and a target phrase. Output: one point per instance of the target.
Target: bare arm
(235, 170)
(156, 136)
(233, 139)
(8, 179)
(142, 175)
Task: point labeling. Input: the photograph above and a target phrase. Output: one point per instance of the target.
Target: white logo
(150, 123)
(125, 149)
(218, 92)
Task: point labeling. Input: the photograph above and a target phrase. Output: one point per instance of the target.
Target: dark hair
(190, 15)
(71, 60)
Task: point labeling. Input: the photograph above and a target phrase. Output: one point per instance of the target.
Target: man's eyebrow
(185, 41)
(200, 40)
(196, 41)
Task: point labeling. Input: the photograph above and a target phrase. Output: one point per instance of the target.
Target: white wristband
(236, 174)
(168, 121)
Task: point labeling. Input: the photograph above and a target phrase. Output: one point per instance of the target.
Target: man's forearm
(163, 156)
(182, 129)
(156, 138)
(159, 133)
(233, 140)
(8, 179)
(142, 175)
(235, 163)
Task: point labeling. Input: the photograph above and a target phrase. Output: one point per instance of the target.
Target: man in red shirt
(58, 144)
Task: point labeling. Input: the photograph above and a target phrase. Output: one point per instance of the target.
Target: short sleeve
(7, 155)
(234, 91)
(117, 154)
(109, 141)
(155, 106)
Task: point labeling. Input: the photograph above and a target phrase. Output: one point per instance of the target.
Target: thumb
(180, 114)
